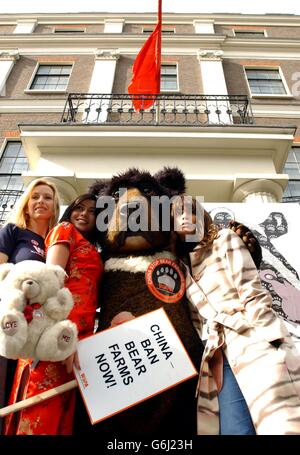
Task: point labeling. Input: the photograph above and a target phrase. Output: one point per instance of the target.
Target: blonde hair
(19, 216)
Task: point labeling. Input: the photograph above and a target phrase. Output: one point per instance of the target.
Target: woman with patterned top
(71, 244)
(22, 238)
(248, 353)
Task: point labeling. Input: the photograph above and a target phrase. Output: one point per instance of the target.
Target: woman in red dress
(71, 244)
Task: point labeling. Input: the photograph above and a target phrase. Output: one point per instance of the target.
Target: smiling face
(83, 216)
(41, 204)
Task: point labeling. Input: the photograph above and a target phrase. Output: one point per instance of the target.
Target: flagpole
(145, 82)
(159, 19)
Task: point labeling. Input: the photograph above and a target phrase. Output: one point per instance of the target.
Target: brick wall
(6, 29)
(48, 28)
(24, 68)
(179, 28)
(9, 123)
(272, 32)
(189, 73)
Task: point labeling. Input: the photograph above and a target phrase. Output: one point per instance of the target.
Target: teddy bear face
(31, 288)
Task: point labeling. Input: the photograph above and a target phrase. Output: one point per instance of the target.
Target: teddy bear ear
(59, 272)
(5, 269)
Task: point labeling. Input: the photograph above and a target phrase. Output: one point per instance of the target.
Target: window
(12, 163)
(292, 168)
(165, 31)
(249, 33)
(168, 78)
(51, 77)
(69, 30)
(265, 82)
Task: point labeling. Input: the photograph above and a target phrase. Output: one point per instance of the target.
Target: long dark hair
(94, 234)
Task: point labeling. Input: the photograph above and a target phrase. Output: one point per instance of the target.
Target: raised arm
(249, 240)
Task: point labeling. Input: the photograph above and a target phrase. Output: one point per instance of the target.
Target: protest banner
(127, 364)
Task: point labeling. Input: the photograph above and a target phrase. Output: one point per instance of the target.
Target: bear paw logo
(165, 280)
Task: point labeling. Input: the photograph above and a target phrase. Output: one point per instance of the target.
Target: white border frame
(267, 95)
(177, 77)
(3, 147)
(249, 30)
(165, 28)
(67, 30)
(38, 64)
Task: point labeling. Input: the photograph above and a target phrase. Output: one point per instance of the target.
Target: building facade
(228, 114)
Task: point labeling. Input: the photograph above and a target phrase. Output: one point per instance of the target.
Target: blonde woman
(22, 238)
(72, 245)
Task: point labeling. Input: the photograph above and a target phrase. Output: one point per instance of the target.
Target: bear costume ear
(98, 188)
(5, 269)
(59, 272)
(171, 178)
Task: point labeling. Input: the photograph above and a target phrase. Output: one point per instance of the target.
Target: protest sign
(130, 363)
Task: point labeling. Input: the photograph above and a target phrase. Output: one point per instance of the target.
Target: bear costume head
(136, 195)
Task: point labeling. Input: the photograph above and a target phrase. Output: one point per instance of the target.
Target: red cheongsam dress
(55, 416)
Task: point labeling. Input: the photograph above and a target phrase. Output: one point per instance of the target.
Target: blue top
(21, 244)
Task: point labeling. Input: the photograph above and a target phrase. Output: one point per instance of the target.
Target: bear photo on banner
(275, 226)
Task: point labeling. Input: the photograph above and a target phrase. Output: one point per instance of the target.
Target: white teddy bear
(34, 306)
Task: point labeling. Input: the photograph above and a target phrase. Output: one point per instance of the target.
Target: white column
(204, 27)
(260, 197)
(213, 82)
(113, 25)
(101, 83)
(259, 190)
(26, 26)
(7, 61)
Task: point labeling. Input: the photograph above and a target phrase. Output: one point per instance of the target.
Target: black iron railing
(189, 110)
(8, 199)
(291, 199)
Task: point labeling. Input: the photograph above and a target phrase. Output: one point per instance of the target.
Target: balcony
(167, 110)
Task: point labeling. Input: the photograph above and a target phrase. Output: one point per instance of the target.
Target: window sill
(169, 92)
(284, 97)
(39, 92)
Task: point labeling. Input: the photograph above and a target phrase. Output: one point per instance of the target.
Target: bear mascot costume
(128, 290)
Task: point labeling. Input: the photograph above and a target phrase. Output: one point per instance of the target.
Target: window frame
(292, 177)
(177, 77)
(250, 30)
(267, 95)
(63, 30)
(38, 65)
(2, 151)
(164, 30)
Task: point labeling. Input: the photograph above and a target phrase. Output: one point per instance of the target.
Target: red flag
(146, 68)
